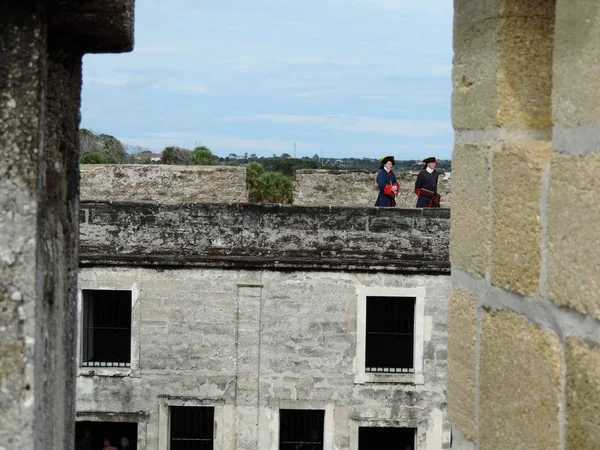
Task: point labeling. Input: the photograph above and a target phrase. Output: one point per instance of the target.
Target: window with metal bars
(301, 429)
(386, 438)
(106, 328)
(389, 346)
(191, 427)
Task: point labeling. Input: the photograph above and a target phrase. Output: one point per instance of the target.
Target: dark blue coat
(384, 178)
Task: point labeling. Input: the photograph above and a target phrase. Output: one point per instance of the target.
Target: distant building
(154, 157)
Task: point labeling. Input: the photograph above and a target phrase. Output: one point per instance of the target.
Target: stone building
(42, 43)
(524, 314)
(265, 324)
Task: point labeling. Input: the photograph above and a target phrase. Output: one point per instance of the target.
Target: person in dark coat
(387, 183)
(426, 185)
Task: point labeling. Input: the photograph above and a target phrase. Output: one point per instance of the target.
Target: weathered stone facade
(524, 328)
(356, 188)
(41, 47)
(163, 183)
(255, 308)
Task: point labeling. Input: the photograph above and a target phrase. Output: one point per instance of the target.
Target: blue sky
(353, 78)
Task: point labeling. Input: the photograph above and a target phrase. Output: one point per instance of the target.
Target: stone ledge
(257, 236)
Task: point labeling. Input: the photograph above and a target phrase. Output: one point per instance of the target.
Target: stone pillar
(504, 370)
(41, 47)
(248, 366)
(524, 312)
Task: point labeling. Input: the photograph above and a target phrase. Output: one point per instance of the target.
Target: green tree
(202, 156)
(176, 156)
(94, 158)
(272, 187)
(253, 171)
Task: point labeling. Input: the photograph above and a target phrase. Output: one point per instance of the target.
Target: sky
(345, 78)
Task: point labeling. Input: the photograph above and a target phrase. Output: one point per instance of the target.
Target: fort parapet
(265, 236)
(356, 188)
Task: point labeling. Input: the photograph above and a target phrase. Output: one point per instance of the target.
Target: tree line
(269, 179)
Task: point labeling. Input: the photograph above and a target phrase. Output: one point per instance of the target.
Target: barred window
(191, 427)
(390, 335)
(106, 328)
(386, 438)
(301, 429)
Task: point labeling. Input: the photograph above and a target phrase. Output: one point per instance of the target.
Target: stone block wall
(524, 312)
(41, 47)
(163, 183)
(356, 188)
(252, 342)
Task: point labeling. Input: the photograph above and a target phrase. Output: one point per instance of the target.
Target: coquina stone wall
(41, 48)
(163, 183)
(356, 188)
(255, 308)
(524, 312)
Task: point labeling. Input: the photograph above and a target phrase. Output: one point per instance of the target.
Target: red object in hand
(387, 190)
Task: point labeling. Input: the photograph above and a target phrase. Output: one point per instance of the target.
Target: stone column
(41, 47)
(504, 359)
(248, 366)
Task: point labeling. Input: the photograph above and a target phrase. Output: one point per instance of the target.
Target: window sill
(117, 372)
(405, 378)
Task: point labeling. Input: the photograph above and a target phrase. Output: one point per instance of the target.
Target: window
(106, 327)
(90, 434)
(301, 429)
(384, 438)
(391, 331)
(390, 334)
(191, 427)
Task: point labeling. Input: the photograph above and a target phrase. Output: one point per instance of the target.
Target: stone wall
(162, 183)
(252, 342)
(356, 188)
(41, 47)
(524, 313)
(265, 236)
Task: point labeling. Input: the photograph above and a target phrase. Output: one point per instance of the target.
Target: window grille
(386, 438)
(390, 335)
(106, 328)
(191, 427)
(301, 429)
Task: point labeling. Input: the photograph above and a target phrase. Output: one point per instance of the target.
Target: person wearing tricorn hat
(426, 185)
(387, 183)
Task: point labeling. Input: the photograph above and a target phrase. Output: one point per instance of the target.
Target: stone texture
(502, 64)
(469, 234)
(520, 384)
(40, 84)
(259, 236)
(583, 395)
(100, 26)
(162, 183)
(518, 168)
(576, 91)
(525, 44)
(574, 233)
(261, 340)
(462, 336)
(475, 69)
(356, 188)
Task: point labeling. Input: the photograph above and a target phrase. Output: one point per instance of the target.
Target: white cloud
(408, 128)
(174, 85)
(109, 80)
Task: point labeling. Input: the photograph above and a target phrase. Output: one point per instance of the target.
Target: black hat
(385, 159)
(429, 160)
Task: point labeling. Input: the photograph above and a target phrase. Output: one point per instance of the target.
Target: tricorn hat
(385, 159)
(429, 160)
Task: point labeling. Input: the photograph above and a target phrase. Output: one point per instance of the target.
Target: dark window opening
(390, 335)
(384, 438)
(301, 429)
(106, 329)
(91, 435)
(191, 427)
